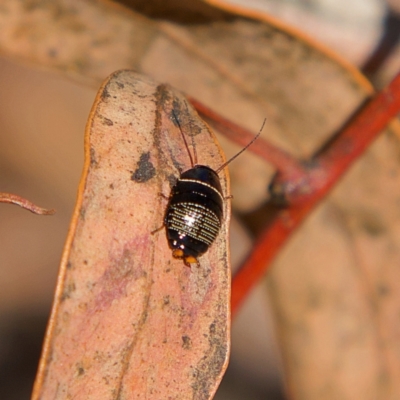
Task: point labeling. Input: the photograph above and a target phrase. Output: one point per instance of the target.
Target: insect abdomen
(194, 213)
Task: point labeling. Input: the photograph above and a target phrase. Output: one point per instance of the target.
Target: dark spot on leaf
(105, 94)
(212, 362)
(107, 121)
(93, 160)
(81, 371)
(212, 329)
(186, 342)
(176, 113)
(120, 85)
(69, 289)
(163, 95)
(145, 169)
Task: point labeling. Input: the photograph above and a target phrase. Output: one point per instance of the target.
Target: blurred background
(42, 123)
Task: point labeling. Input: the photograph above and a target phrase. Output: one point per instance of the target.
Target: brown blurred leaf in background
(334, 287)
(244, 69)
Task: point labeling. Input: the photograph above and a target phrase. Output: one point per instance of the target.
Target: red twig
(282, 161)
(303, 185)
(328, 167)
(24, 203)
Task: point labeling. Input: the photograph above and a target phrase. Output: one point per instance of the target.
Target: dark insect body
(195, 210)
(194, 213)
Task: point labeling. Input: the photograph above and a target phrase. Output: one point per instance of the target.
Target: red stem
(282, 161)
(331, 164)
(24, 203)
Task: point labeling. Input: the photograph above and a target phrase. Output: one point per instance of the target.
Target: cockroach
(194, 213)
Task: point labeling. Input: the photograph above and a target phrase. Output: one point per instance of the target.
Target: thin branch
(24, 203)
(282, 160)
(330, 165)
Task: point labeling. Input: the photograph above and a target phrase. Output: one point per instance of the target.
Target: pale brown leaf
(129, 321)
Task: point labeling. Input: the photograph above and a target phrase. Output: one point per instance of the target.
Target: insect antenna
(219, 169)
(193, 161)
